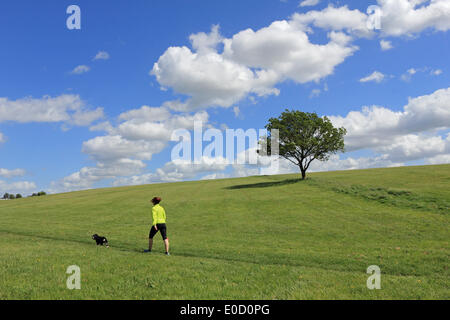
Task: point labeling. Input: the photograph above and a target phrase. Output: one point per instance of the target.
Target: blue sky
(50, 138)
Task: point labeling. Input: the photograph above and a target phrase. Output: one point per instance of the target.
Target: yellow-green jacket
(158, 214)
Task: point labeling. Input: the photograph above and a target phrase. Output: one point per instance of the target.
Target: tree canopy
(305, 137)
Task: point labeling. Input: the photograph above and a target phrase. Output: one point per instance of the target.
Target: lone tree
(305, 137)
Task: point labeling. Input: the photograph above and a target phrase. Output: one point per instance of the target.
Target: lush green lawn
(268, 237)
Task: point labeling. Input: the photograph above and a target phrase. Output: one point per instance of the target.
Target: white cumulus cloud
(335, 19)
(101, 55)
(379, 127)
(376, 76)
(436, 72)
(22, 187)
(80, 69)
(88, 176)
(5, 173)
(65, 108)
(177, 170)
(252, 63)
(308, 3)
(385, 45)
(408, 17)
(121, 153)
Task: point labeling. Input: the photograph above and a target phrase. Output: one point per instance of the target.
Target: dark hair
(156, 200)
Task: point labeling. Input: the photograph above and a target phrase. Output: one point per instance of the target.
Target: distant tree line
(42, 193)
(11, 196)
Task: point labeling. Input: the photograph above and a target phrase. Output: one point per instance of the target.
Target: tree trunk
(303, 174)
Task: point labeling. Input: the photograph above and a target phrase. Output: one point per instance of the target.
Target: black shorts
(161, 227)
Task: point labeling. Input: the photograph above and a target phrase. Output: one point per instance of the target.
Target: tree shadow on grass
(264, 184)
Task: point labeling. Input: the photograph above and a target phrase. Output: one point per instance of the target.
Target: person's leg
(153, 231)
(150, 244)
(163, 230)
(166, 244)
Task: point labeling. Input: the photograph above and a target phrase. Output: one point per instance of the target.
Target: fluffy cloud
(151, 127)
(2, 138)
(80, 69)
(336, 19)
(236, 111)
(252, 62)
(274, 165)
(136, 180)
(284, 48)
(120, 153)
(65, 108)
(103, 126)
(369, 127)
(427, 112)
(21, 187)
(87, 176)
(86, 117)
(407, 17)
(376, 76)
(5, 173)
(206, 43)
(101, 55)
(412, 147)
(208, 78)
(308, 3)
(146, 114)
(379, 127)
(385, 45)
(214, 176)
(112, 147)
(442, 158)
(397, 18)
(142, 133)
(411, 72)
(407, 76)
(177, 170)
(336, 162)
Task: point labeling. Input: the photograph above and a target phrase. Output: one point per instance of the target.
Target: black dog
(100, 240)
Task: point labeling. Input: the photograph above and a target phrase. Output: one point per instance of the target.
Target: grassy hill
(265, 237)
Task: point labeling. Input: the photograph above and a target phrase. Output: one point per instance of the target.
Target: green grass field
(265, 237)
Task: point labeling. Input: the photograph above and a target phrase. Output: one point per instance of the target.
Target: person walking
(159, 224)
